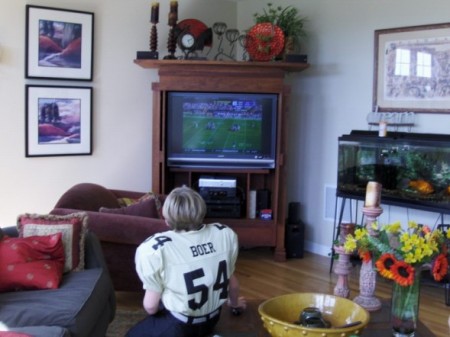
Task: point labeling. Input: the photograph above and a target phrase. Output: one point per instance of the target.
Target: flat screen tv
(223, 130)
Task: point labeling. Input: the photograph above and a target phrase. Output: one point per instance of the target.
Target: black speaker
(294, 213)
(295, 240)
(262, 200)
(295, 232)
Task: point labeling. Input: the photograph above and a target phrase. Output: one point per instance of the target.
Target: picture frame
(59, 44)
(58, 121)
(412, 68)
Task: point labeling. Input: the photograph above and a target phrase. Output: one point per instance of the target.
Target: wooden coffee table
(249, 324)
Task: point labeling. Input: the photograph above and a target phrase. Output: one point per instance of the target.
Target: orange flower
(426, 229)
(402, 273)
(440, 267)
(384, 265)
(365, 255)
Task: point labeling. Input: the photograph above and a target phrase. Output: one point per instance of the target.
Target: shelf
(219, 170)
(285, 66)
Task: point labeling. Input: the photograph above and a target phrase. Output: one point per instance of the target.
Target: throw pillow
(35, 262)
(13, 334)
(146, 208)
(73, 228)
(124, 202)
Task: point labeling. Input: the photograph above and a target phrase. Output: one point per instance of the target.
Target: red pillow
(13, 334)
(35, 262)
(73, 228)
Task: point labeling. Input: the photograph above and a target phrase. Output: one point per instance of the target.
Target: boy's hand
(239, 308)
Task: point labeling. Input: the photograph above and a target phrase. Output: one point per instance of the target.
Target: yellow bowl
(279, 314)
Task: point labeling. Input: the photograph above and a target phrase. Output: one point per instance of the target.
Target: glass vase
(405, 308)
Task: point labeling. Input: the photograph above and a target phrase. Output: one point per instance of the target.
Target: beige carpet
(126, 318)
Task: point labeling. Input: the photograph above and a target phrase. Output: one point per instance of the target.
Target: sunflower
(402, 273)
(440, 267)
(384, 265)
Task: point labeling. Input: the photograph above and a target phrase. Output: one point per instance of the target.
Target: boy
(187, 272)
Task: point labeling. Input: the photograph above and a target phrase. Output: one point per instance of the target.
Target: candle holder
(342, 269)
(171, 45)
(367, 275)
(153, 42)
(343, 265)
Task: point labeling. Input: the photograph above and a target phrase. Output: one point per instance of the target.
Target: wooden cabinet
(220, 76)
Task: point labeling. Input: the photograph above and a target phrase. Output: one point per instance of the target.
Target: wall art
(412, 69)
(59, 44)
(58, 121)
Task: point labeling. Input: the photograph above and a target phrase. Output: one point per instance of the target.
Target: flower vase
(405, 308)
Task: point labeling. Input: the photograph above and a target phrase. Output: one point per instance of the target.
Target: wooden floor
(262, 278)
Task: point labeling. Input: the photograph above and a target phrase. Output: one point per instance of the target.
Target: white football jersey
(190, 269)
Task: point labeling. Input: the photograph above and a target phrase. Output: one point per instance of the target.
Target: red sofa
(119, 234)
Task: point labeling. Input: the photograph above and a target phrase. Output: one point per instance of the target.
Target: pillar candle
(154, 16)
(382, 129)
(173, 13)
(373, 194)
(174, 6)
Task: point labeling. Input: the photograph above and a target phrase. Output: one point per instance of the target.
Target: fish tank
(413, 168)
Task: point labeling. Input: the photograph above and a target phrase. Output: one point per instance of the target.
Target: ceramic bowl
(279, 315)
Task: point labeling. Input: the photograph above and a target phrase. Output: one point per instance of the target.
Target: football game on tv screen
(205, 127)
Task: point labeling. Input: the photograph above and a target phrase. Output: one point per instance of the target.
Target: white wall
(122, 102)
(329, 99)
(334, 96)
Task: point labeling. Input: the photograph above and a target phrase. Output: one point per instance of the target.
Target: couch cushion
(40, 331)
(73, 228)
(75, 305)
(146, 208)
(87, 197)
(35, 262)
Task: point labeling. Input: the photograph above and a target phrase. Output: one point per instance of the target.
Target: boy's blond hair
(184, 209)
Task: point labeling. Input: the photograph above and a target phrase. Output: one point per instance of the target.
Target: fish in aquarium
(421, 186)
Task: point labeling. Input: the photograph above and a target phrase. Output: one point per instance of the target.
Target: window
(402, 62)
(423, 64)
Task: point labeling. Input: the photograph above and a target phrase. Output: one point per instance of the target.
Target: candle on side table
(373, 194)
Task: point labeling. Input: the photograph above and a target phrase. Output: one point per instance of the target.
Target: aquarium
(413, 168)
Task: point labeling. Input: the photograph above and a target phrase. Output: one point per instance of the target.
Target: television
(221, 129)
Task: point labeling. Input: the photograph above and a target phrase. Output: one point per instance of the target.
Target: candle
(373, 194)
(174, 6)
(382, 129)
(173, 14)
(154, 16)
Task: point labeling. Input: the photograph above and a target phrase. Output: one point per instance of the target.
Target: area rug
(126, 318)
(123, 321)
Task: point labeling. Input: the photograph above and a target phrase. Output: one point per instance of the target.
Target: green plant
(288, 19)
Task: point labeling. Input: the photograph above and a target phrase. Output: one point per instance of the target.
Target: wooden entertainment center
(223, 76)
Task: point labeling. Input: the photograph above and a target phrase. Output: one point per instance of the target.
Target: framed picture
(59, 44)
(58, 121)
(412, 69)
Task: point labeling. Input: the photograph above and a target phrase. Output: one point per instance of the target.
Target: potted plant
(288, 19)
